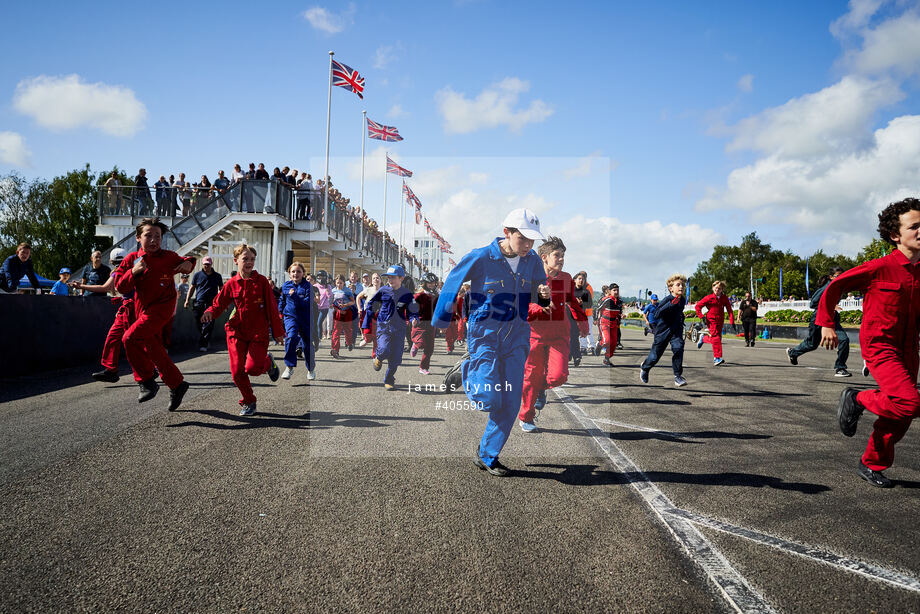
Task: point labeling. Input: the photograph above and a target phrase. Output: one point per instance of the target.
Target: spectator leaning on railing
(15, 267)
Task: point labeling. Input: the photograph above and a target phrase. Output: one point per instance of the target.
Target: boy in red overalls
(547, 363)
(248, 327)
(423, 334)
(715, 317)
(888, 336)
(610, 311)
(150, 273)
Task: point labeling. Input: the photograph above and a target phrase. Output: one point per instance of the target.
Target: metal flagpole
(328, 120)
(386, 155)
(402, 211)
(363, 141)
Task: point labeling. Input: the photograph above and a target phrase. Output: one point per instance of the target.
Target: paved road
(338, 496)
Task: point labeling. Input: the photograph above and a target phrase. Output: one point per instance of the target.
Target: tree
(877, 248)
(57, 217)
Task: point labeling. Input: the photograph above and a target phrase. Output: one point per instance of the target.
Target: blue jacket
(13, 269)
(670, 315)
(300, 303)
(650, 310)
(388, 303)
(498, 297)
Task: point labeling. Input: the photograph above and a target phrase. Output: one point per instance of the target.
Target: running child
(296, 307)
(547, 363)
(715, 318)
(888, 335)
(343, 300)
(369, 333)
(150, 274)
(813, 340)
(610, 311)
(648, 314)
(394, 306)
(670, 329)
(423, 334)
(248, 327)
(505, 277)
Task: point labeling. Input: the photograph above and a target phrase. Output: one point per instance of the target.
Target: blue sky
(641, 134)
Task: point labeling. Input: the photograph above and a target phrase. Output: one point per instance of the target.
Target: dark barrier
(777, 331)
(40, 333)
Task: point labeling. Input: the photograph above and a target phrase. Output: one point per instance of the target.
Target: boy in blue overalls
(394, 306)
(505, 277)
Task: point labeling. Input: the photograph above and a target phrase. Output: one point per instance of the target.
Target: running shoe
(792, 359)
(299, 352)
(577, 361)
(717, 361)
(876, 478)
(841, 373)
(619, 346)
(176, 395)
(248, 409)
(148, 390)
(288, 371)
(497, 469)
(413, 351)
(700, 342)
(377, 364)
(273, 371)
(334, 354)
(311, 375)
(203, 349)
(389, 387)
(679, 381)
(350, 347)
(528, 427)
(363, 343)
(540, 403)
(106, 376)
(424, 371)
(607, 362)
(848, 411)
(865, 369)
(643, 375)
(645, 331)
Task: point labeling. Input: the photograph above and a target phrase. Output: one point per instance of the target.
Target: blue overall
(296, 310)
(393, 308)
(498, 334)
(669, 328)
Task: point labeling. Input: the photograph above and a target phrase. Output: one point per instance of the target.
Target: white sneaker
(311, 375)
(363, 343)
(287, 373)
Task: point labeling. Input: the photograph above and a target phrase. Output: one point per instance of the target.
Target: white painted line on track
(741, 596)
(636, 427)
(873, 572)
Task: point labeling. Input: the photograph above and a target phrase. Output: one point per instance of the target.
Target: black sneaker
(643, 375)
(865, 369)
(842, 373)
(792, 359)
(496, 469)
(645, 332)
(619, 346)
(607, 362)
(577, 361)
(106, 376)
(299, 352)
(273, 371)
(876, 478)
(848, 411)
(175, 396)
(148, 390)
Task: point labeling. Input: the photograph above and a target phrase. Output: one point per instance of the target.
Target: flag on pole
(418, 217)
(451, 262)
(780, 284)
(347, 77)
(807, 290)
(381, 132)
(396, 169)
(412, 198)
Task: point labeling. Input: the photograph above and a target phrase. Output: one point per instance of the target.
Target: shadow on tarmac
(680, 437)
(592, 475)
(309, 420)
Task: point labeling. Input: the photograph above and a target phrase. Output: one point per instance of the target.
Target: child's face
(24, 253)
(615, 292)
(717, 290)
(64, 277)
(395, 281)
(245, 263)
(519, 244)
(909, 232)
(339, 283)
(296, 274)
(150, 238)
(376, 280)
(553, 261)
(677, 287)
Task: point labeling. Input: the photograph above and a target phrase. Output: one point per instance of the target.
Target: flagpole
(386, 154)
(402, 210)
(328, 121)
(363, 141)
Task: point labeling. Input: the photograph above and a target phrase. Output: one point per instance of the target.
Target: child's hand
(416, 323)
(139, 266)
(828, 337)
(185, 267)
(279, 339)
(291, 291)
(206, 317)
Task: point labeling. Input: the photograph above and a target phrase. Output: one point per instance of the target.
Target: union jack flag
(381, 132)
(418, 217)
(451, 262)
(396, 169)
(412, 198)
(347, 77)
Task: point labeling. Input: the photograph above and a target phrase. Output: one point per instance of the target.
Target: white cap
(526, 221)
(116, 254)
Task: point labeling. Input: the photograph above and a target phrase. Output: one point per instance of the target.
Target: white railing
(767, 306)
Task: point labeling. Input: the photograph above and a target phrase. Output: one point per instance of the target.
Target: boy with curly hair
(670, 329)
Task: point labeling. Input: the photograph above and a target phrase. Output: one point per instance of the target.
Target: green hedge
(852, 316)
(635, 314)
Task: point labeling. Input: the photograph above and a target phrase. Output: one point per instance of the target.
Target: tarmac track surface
(736, 492)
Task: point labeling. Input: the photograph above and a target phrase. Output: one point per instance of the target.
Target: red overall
(611, 311)
(547, 363)
(715, 318)
(342, 325)
(124, 318)
(155, 305)
(423, 335)
(457, 329)
(248, 328)
(888, 336)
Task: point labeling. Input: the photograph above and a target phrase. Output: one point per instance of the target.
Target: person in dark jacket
(813, 340)
(748, 310)
(670, 329)
(15, 267)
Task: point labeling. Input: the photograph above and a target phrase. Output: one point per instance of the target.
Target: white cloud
(893, 45)
(583, 168)
(65, 103)
(329, 22)
(835, 117)
(396, 111)
(13, 150)
(385, 54)
(492, 107)
(835, 192)
(746, 83)
(857, 18)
